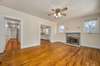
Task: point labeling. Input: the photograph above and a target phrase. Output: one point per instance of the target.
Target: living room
(78, 26)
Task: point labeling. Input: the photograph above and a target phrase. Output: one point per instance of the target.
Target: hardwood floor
(53, 54)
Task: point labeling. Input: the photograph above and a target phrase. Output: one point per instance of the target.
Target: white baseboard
(1, 51)
(97, 47)
(30, 45)
(25, 46)
(72, 44)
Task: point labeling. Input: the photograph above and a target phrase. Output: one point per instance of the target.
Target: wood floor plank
(53, 54)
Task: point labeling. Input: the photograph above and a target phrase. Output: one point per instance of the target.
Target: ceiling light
(58, 12)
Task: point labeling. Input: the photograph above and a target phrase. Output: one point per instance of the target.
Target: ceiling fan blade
(64, 14)
(52, 9)
(50, 14)
(64, 9)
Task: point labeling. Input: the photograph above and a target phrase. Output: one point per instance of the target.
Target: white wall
(76, 25)
(2, 34)
(30, 26)
(90, 40)
(73, 25)
(59, 37)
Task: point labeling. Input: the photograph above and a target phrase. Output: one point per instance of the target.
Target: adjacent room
(49, 32)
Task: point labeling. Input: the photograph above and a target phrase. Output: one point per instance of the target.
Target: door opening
(13, 35)
(45, 34)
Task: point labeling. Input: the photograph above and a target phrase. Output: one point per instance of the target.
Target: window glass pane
(61, 28)
(90, 26)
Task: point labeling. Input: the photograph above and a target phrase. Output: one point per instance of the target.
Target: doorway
(45, 34)
(13, 34)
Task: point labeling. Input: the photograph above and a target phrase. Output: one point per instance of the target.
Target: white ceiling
(41, 8)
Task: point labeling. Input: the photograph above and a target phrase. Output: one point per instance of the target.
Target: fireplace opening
(73, 38)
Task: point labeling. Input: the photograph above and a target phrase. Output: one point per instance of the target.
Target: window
(90, 26)
(61, 28)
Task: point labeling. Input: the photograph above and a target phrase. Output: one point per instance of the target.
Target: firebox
(73, 38)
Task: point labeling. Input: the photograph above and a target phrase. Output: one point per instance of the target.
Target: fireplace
(73, 38)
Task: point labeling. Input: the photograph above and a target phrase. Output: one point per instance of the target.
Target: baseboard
(57, 41)
(1, 51)
(95, 47)
(83, 46)
(30, 45)
(72, 44)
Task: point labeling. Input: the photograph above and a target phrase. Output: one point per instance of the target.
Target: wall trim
(29, 45)
(90, 46)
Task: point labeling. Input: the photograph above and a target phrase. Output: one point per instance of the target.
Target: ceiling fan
(58, 12)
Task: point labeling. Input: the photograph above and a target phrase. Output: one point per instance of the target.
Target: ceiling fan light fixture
(58, 12)
(57, 15)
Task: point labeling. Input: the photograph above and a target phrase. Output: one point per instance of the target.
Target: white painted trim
(1, 51)
(97, 47)
(25, 46)
(72, 44)
(30, 45)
